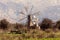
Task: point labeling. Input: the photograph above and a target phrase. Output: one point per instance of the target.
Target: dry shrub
(51, 36)
(19, 29)
(48, 30)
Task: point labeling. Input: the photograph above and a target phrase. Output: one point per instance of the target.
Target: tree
(46, 23)
(3, 24)
(58, 24)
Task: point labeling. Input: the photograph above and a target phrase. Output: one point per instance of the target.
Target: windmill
(32, 18)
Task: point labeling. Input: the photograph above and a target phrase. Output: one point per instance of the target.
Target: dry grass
(19, 37)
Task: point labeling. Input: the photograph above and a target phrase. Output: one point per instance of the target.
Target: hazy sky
(10, 9)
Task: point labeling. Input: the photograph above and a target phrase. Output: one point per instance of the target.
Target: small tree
(3, 24)
(46, 23)
(58, 24)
